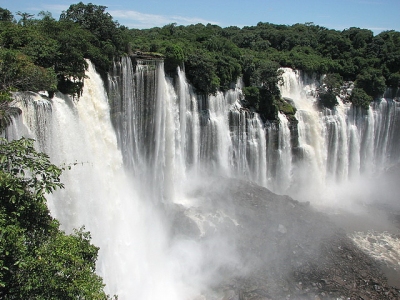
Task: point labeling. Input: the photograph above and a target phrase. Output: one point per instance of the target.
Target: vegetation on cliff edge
(37, 259)
(53, 53)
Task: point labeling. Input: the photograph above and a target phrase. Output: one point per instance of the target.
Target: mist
(195, 198)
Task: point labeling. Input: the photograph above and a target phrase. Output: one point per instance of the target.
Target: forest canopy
(42, 53)
(54, 52)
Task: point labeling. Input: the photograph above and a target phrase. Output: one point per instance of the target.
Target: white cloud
(134, 19)
(55, 9)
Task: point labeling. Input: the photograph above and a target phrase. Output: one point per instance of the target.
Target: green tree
(201, 71)
(252, 96)
(17, 71)
(333, 44)
(93, 18)
(394, 80)
(360, 38)
(333, 82)
(360, 98)
(174, 57)
(228, 71)
(37, 259)
(6, 15)
(110, 39)
(267, 76)
(328, 99)
(25, 18)
(70, 65)
(330, 90)
(372, 82)
(6, 111)
(264, 77)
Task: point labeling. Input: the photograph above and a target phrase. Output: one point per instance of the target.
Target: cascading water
(139, 111)
(133, 257)
(338, 145)
(280, 162)
(144, 151)
(310, 170)
(172, 131)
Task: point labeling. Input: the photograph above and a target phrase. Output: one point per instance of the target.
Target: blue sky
(377, 15)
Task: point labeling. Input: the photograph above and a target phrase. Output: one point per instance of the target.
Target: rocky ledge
(283, 249)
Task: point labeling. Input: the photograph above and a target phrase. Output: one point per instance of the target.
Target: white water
(131, 235)
(176, 133)
(341, 148)
(384, 247)
(283, 177)
(162, 141)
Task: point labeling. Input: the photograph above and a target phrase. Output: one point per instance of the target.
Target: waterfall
(141, 152)
(101, 195)
(386, 123)
(189, 123)
(340, 144)
(310, 170)
(165, 127)
(283, 175)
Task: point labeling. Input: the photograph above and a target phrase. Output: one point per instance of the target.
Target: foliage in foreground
(37, 259)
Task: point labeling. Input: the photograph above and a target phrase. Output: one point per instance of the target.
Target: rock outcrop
(283, 249)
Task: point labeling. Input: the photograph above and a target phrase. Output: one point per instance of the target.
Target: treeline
(37, 259)
(42, 53)
(219, 55)
(47, 54)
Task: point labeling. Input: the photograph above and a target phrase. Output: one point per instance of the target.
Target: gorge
(157, 169)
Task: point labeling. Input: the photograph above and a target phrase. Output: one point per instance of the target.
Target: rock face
(283, 249)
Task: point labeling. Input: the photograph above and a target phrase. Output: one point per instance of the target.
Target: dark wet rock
(286, 249)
